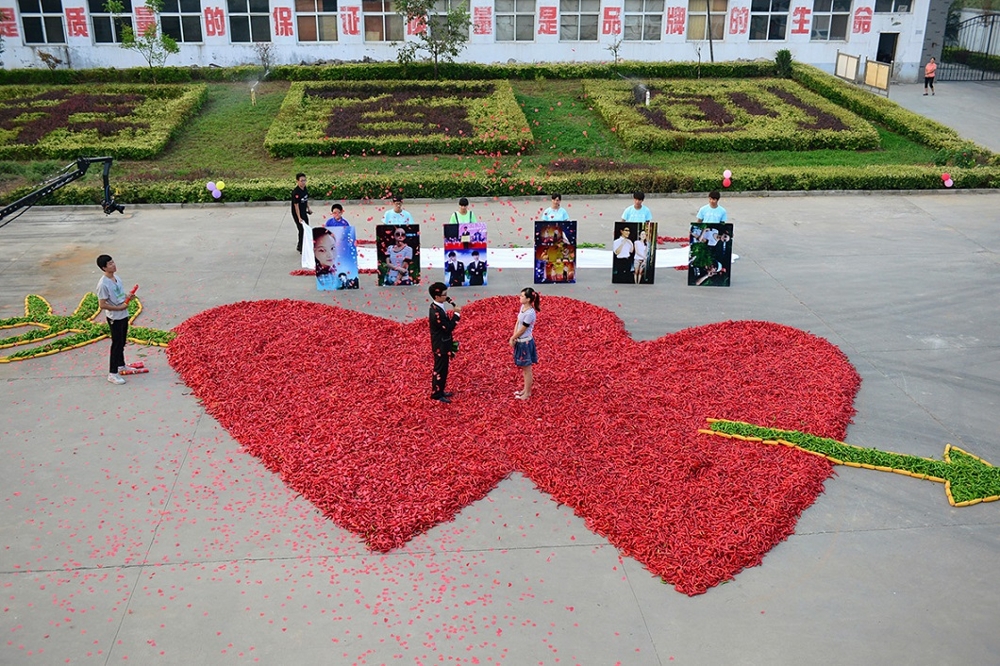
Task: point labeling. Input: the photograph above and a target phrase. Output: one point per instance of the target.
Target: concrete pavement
(136, 530)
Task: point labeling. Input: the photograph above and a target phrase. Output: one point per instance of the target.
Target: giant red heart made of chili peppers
(337, 403)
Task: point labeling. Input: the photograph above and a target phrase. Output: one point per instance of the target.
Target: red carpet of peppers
(336, 402)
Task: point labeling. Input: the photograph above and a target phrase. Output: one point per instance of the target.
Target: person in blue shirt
(712, 212)
(637, 212)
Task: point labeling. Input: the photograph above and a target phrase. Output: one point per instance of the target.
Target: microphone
(449, 301)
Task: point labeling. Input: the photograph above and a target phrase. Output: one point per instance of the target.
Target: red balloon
(727, 182)
(946, 176)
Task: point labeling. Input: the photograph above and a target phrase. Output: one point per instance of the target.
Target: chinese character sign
(8, 24)
(145, 20)
(862, 20)
(350, 22)
(676, 17)
(416, 25)
(612, 22)
(739, 20)
(282, 22)
(215, 22)
(547, 22)
(76, 22)
(482, 21)
(800, 20)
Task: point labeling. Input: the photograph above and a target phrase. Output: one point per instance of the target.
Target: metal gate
(971, 50)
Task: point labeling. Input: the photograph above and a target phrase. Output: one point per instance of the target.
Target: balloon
(949, 182)
(946, 176)
(727, 174)
(209, 186)
(726, 182)
(216, 194)
(220, 185)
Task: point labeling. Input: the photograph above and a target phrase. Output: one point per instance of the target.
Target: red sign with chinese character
(862, 20)
(612, 22)
(145, 20)
(482, 21)
(350, 23)
(416, 25)
(282, 22)
(215, 22)
(676, 17)
(76, 22)
(739, 20)
(547, 21)
(800, 22)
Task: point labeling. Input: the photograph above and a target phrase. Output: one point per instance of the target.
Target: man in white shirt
(622, 250)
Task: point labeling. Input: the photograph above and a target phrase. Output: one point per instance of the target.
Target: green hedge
(953, 149)
(677, 102)
(974, 59)
(894, 177)
(157, 119)
(497, 122)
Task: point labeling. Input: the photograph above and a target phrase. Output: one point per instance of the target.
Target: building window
(578, 20)
(42, 22)
(316, 20)
(698, 19)
(108, 26)
(382, 23)
(515, 20)
(643, 20)
(181, 20)
(768, 19)
(249, 20)
(886, 6)
(830, 19)
(438, 18)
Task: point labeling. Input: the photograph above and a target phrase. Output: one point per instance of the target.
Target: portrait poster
(465, 248)
(336, 254)
(555, 252)
(710, 256)
(633, 253)
(398, 249)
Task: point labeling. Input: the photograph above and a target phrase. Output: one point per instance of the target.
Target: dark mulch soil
(823, 120)
(751, 106)
(710, 109)
(59, 114)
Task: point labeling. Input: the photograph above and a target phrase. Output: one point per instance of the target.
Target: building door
(887, 47)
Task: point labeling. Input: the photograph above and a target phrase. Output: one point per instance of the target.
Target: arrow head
(971, 479)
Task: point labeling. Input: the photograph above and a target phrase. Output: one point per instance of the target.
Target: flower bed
(398, 118)
(124, 121)
(721, 115)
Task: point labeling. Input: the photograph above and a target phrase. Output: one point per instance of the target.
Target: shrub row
(309, 115)
(142, 133)
(688, 108)
(975, 59)
(389, 71)
(953, 149)
(880, 177)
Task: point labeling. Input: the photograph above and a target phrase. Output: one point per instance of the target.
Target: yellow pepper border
(881, 468)
(91, 318)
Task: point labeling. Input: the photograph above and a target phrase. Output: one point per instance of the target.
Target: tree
(442, 29)
(152, 45)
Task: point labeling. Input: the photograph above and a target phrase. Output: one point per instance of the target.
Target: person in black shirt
(441, 326)
(300, 207)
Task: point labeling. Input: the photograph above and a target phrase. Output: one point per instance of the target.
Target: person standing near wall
(930, 70)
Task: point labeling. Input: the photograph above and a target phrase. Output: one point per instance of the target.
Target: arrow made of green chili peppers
(967, 479)
(72, 331)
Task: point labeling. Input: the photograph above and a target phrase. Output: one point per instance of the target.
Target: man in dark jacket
(441, 325)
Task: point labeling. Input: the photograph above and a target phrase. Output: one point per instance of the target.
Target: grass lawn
(225, 141)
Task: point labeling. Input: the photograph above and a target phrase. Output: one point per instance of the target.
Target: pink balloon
(949, 182)
(210, 185)
(727, 174)
(946, 176)
(216, 194)
(727, 182)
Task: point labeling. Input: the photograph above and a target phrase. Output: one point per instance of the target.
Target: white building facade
(81, 34)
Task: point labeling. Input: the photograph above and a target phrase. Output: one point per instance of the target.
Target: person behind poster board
(113, 299)
(442, 327)
(637, 212)
(463, 215)
(641, 251)
(455, 270)
(300, 208)
(476, 270)
(712, 212)
(397, 216)
(555, 212)
(523, 339)
(395, 255)
(622, 250)
(337, 218)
